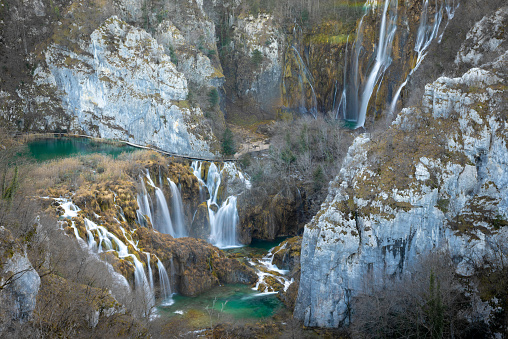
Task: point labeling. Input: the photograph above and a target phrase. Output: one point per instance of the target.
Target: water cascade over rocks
(99, 240)
(427, 32)
(360, 82)
(163, 221)
(165, 284)
(223, 219)
(177, 211)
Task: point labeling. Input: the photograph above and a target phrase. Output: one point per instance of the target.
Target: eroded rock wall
(436, 179)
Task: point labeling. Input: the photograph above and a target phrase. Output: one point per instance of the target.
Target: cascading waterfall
(163, 222)
(178, 214)
(357, 94)
(427, 32)
(196, 169)
(223, 219)
(223, 224)
(108, 241)
(358, 88)
(165, 284)
(144, 211)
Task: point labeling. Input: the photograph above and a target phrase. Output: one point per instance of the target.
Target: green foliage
(8, 192)
(443, 204)
(318, 177)
(499, 221)
(161, 15)
(210, 53)
(213, 97)
(228, 143)
(304, 17)
(172, 55)
(256, 57)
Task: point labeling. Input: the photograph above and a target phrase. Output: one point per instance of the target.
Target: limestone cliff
(19, 282)
(436, 179)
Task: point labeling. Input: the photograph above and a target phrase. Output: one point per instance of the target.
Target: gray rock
(378, 221)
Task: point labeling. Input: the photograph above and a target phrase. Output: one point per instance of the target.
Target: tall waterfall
(177, 211)
(357, 93)
(359, 86)
(223, 219)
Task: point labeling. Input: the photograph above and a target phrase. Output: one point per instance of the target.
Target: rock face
(436, 179)
(127, 88)
(18, 280)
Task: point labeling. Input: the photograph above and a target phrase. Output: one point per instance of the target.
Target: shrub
(213, 97)
(256, 57)
(228, 144)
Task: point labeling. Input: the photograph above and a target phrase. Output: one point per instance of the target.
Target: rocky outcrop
(126, 87)
(19, 282)
(436, 179)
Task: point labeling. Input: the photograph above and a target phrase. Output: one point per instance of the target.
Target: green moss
(442, 205)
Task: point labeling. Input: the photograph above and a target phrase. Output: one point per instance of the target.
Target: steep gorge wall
(436, 179)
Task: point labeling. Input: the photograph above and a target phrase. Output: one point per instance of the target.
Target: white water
(108, 241)
(223, 223)
(177, 211)
(358, 87)
(165, 285)
(427, 31)
(150, 273)
(163, 222)
(360, 94)
(270, 270)
(144, 213)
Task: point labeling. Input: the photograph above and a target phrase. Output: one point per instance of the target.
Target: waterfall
(223, 224)
(358, 94)
(144, 213)
(150, 274)
(427, 32)
(163, 222)
(178, 214)
(196, 169)
(223, 219)
(358, 86)
(110, 242)
(165, 285)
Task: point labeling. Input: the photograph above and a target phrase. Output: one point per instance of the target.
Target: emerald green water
(234, 301)
(56, 148)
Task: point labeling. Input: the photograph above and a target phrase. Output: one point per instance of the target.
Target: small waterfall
(178, 214)
(150, 274)
(266, 268)
(163, 222)
(196, 169)
(223, 224)
(165, 285)
(144, 213)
